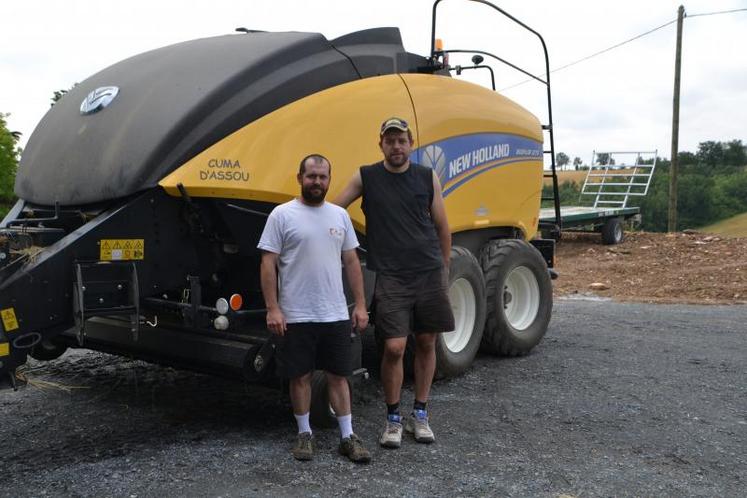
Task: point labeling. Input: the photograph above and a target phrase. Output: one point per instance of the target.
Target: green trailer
(612, 179)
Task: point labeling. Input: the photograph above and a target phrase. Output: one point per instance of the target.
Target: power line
(716, 13)
(595, 54)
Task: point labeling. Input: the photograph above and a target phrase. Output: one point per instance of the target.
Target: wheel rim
(618, 232)
(462, 298)
(521, 298)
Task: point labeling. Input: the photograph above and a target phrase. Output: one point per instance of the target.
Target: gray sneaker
(304, 448)
(352, 447)
(392, 435)
(417, 424)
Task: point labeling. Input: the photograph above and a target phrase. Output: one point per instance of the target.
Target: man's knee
(301, 380)
(425, 343)
(394, 349)
(336, 381)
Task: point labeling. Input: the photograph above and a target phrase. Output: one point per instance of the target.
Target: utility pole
(672, 225)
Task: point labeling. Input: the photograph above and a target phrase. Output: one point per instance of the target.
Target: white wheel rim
(462, 298)
(521, 298)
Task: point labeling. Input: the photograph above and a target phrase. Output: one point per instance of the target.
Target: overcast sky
(620, 100)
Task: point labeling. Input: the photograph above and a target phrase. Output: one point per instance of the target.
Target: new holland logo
(98, 99)
(434, 157)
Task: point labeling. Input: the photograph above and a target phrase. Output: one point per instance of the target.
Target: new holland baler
(143, 192)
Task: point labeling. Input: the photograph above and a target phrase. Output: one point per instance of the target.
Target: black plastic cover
(176, 101)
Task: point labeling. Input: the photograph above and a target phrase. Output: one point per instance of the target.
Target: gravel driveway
(618, 400)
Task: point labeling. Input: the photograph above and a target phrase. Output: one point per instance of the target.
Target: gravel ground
(618, 400)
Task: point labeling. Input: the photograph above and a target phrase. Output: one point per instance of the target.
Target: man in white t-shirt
(303, 244)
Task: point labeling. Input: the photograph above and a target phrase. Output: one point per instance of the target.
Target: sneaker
(352, 447)
(392, 435)
(417, 424)
(304, 448)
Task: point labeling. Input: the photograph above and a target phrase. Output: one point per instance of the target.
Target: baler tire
(47, 350)
(456, 350)
(515, 271)
(321, 413)
(612, 231)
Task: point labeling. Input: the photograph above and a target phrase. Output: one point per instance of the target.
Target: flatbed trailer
(603, 207)
(608, 221)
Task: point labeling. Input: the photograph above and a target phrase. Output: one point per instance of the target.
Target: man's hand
(359, 319)
(276, 321)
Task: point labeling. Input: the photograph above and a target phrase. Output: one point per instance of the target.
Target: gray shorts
(412, 302)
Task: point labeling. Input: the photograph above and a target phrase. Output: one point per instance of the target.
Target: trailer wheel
(519, 297)
(456, 350)
(47, 350)
(612, 231)
(321, 413)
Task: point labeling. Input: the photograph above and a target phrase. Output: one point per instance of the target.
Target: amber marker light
(236, 302)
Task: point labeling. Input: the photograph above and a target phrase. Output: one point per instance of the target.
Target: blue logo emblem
(98, 99)
(457, 160)
(433, 157)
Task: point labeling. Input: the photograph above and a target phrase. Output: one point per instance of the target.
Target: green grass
(736, 226)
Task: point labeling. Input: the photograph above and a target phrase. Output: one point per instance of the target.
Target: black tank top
(400, 233)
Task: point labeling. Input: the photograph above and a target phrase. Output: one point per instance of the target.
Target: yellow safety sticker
(4, 349)
(121, 249)
(9, 319)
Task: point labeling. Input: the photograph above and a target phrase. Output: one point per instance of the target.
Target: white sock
(346, 425)
(303, 423)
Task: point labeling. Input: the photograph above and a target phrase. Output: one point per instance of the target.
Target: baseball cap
(393, 122)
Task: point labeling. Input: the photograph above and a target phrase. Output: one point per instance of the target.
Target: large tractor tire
(612, 231)
(456, 350)
(321, 413)
(519, 297)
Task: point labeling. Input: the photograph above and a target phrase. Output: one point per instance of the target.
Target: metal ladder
(611, 183)
(106, 288)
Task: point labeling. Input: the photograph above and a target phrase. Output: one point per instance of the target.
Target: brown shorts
(416, 302)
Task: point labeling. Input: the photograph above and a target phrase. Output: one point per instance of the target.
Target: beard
(313, 195)
(397, 161)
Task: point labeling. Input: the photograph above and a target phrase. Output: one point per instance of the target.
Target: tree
(710, 153)
(734, 153)
(686, 158)
(561, 159)
(9, 154)
(577, 162)
(58, 94)
(604, 158)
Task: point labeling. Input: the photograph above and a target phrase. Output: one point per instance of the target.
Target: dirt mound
(653, 267)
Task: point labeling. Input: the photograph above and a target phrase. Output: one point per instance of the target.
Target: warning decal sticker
(121, 249)
(9, 319)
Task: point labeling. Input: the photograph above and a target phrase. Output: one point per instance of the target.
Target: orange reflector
(439, 44)
(236, 302)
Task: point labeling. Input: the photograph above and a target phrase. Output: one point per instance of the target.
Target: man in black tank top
(409, 244)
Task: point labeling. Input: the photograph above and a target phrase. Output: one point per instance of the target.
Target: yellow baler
(144, 190)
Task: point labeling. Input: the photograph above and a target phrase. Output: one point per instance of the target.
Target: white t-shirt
(309, 241)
